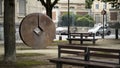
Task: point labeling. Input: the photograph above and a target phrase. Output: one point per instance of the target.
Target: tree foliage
(76, 20)
(88, 3)
(48, 4)
(85, 21)
(64, 19)
(114, 3)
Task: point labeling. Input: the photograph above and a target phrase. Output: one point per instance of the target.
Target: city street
(112, 36)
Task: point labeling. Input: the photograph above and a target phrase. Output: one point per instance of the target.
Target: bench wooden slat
(105, 50)
(105, 55)
(78, 34)
(72, 47)
(85, 56)
(72, 52)
(98, 52)
(82, 63)
(79, 39)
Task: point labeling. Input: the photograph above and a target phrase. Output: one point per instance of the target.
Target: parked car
(98, 30)
(61, 30)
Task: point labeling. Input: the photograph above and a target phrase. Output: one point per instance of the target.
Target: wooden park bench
(81, 37)
(87, 56)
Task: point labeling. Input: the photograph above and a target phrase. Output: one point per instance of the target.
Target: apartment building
(112, 15)
(78, 7)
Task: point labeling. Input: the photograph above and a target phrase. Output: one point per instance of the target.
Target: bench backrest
(70, 49)
(82, 34)
(79, 34)
(89, 53)
(103, 53)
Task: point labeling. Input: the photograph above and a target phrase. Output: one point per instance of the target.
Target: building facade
(22, 8)
(78, 7)
(111, 17)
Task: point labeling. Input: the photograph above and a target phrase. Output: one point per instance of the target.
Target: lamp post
(103, 12)
(68, 18)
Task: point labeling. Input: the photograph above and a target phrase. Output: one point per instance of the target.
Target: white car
(61, 30)
(98, 30)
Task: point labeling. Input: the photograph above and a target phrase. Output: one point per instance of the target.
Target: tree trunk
(48, 5)
(49, 12)
(49, 8)
(9, 31)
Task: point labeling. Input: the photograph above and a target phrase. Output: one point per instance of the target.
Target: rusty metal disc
(37, 30)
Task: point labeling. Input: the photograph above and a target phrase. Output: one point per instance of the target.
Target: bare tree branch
(43, 2)
(55, 1)
(48, 5)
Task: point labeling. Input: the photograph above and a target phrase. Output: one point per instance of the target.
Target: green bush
(76, 20)
(84, 22)
(64, 20)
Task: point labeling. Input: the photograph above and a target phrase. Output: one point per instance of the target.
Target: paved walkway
(52, 50)
(112, 36)
(49, 51)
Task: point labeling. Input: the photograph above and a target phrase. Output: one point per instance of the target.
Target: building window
(22, 7)
(97, 18)
(1, 33)
(97, 6)
(113, 16)
(104, 6)
(0, 7)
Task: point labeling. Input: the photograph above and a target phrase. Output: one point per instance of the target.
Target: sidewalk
(52, 50)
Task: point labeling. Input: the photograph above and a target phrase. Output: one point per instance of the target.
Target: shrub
(76, 20)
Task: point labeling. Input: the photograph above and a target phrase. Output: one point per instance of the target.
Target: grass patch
(25, 55)
(24, 48)
(55, 43)
(28, 54)
(22, 64)
(24, 60)
(30, 63)
(60, 42)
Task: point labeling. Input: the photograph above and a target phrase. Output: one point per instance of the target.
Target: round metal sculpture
(37, 30)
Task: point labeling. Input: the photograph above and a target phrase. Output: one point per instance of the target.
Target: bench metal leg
(81, 42)
(70, 42)
(86, 66)
(93, 38)
(93, 41)
(58, 65)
